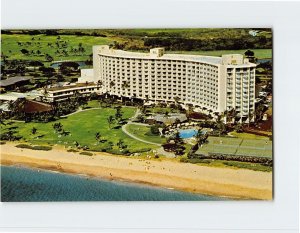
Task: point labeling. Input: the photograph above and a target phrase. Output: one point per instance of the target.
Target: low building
(64, 92)
(14, 82)
(168, 120)
(13, 96)
(31, 106)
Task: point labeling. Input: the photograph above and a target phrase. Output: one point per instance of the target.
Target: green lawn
(163, 110)
(258, 53)
(143, 132)
(93, 104)
(10, 47)
(82, 127)
(239, 146)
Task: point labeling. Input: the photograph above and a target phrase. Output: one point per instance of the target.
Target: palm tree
(58, 127)
(45, 94)
(259, 112)
(250, 116)
(231, 114)
(112, 84)
(118, 114)
(33, 130)
(110, 121)
(125, 86)
(166, 114)
(120, 144)
(12, 106)
(110, 145)
(99, 84)
(177, 99)
(201, 138)
(98, 136)
(76, 144)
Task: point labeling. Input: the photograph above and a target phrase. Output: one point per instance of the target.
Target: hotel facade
(212, 83)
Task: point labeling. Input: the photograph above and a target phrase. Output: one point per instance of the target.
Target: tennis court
(237, 146)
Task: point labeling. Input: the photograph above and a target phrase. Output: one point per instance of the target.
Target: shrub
(2, 143)
(25, 146)
(86, 153)
(154, 129)
(184, 160)
(41, 148)
(72, 150)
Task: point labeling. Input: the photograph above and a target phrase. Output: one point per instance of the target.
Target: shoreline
(222, 182)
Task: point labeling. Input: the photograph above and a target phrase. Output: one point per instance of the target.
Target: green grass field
(238, 146)
(258, 53)
(10, 47)
(82, 127)
(143, 132)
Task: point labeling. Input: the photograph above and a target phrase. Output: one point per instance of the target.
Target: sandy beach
(235, 183)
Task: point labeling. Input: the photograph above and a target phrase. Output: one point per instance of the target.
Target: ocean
(22, 184)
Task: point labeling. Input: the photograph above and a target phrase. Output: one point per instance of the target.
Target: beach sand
(235, 183)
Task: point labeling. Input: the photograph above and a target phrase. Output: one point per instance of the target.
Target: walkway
(136, 138)
(80, 110)
(160, 150)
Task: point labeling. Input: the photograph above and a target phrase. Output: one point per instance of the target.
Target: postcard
(136, 114)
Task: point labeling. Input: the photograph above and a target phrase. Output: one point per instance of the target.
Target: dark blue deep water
(25, 184)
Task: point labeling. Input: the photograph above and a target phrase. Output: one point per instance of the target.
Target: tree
(110, 145)
(166, 113)
(45, 94)
(177, 99)
(259, 111)
(24, 51)
(99, 84)
(250, 55)
(112, 84)
(143, 109)
(110, 121)
(49, 58)
(118, 114)
(76, 144)
(177, 139)
(47, 71)
(121, 144)
(154, 129)
(221, 127)
(98, 136)
(201, 138)
(58, 127)
(250, 116)
(12, 106)
(239, 128)
(125, 86)
(33, 130)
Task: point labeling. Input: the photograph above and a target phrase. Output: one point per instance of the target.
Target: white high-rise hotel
(216, 83)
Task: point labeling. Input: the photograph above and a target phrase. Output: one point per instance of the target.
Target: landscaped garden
(87, 129)
(144, 132)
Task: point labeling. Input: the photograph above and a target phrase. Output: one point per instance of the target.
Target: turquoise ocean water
(21, 184)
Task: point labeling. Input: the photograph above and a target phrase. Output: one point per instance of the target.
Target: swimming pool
(187, 133)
